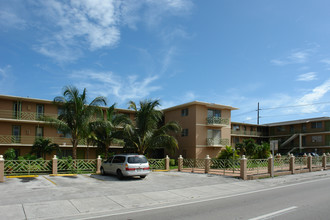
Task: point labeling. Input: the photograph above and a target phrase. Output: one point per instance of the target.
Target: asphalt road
(302, 200)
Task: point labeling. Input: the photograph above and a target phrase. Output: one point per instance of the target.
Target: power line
(291, 106)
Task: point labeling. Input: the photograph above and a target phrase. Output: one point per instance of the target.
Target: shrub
(172, 162)
(10, 154)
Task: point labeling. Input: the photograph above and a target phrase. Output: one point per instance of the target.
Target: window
(280, 128)
(214, 134)
(236, 140)
(184, 112)
(137, 159)
(17, 108)
(60, 111)
(39, 132)
(291, 128)
(303, 127)
(317, 124)
(16, 133)
(64, 153)
(184, 132)
(236, 127)
(40, 111)
(317, 138)
(64, 135)
(119, 159)
(214, 113)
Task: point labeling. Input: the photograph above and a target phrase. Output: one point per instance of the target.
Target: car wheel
(102, 171)
(142, 177)
(120, 174)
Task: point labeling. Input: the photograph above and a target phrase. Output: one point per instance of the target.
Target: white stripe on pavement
(277, 213)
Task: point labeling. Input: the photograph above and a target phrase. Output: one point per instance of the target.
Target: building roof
(249, 124)
(298, 121)
(211, 105)
(44, 101)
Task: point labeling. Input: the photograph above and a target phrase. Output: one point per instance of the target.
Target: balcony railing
(217, 121)
(20, 115)
(217, 141)
(255, 133)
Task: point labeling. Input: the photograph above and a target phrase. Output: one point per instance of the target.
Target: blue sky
(231, 52)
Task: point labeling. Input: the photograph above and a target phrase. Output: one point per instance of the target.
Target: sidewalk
(42, 199)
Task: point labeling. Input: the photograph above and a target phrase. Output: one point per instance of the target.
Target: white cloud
(74, 26)
(326, 61)
(9, 19)
(295, 57)
(310, 76)
(111, 85)
(6, 79)
(314, 95)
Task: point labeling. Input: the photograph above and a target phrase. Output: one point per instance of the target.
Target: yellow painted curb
(25, 176)
(62, 174)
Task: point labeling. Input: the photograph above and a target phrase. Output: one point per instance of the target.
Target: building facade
(206, 128)
(20, 127)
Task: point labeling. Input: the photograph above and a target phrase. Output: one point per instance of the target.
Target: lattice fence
(225, 165)
(156, 164)
(76, 166)
(317, 161)
(194, 163)
(282, 163)
(24, 167)
(257, 165)
(300, 163)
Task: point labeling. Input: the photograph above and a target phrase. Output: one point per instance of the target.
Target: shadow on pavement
(114, 178)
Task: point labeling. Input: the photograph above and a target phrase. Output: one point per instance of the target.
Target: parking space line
(49, 180)
(23, 176)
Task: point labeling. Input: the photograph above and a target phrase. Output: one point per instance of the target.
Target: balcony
(217, 121)
(217, 142)
(30, 116)
(248, 133)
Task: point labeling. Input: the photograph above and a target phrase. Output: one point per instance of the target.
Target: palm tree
(75, 114)
(43, 146)
(228, 153)
(146, 133)
(108, 130)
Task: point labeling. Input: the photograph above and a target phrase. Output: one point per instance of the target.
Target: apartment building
(206, 128)
(307, 135)
(20, 126)
(241, 131)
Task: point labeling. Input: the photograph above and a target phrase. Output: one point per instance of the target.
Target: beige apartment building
(206, 128)
(19, 127)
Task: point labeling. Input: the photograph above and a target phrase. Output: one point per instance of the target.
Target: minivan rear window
(137, 159)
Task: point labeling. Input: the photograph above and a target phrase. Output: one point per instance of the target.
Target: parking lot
(75, 197)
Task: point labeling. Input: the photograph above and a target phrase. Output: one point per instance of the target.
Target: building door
(40, 111)
(17, 109)
(327, 140)
(16, 134)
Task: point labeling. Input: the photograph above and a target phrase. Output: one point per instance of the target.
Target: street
(304, 200)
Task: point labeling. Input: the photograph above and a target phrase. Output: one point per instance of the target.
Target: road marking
(273, 214)
(194, 202)
(23, 176)
(62, 174)
(50, 180)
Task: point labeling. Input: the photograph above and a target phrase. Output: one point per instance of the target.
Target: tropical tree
(262, 151)
(248, 147)
(75, 114)
(108, 130)
(10, 154)
(228, 153)
(43, 146)
(147, 131)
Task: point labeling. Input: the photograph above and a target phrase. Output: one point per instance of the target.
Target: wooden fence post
(292, 161)
(270, 166)
(167, 163)
(310, 163)
(98, 164)
(324, 161)
(55, 165)
(207, 164)
(180, 163)
(2, 169)
(243, 168)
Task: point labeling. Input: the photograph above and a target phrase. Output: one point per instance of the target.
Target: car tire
(102, 171)
(120, 175)
(142, 177)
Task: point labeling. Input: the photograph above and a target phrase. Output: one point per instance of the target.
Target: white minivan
(126, 165)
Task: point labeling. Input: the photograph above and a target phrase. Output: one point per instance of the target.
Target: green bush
(173, 162)
(10, 154)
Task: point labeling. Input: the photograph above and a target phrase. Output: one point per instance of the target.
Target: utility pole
(258, 114)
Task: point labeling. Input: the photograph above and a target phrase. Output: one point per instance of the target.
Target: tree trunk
(74, 149)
